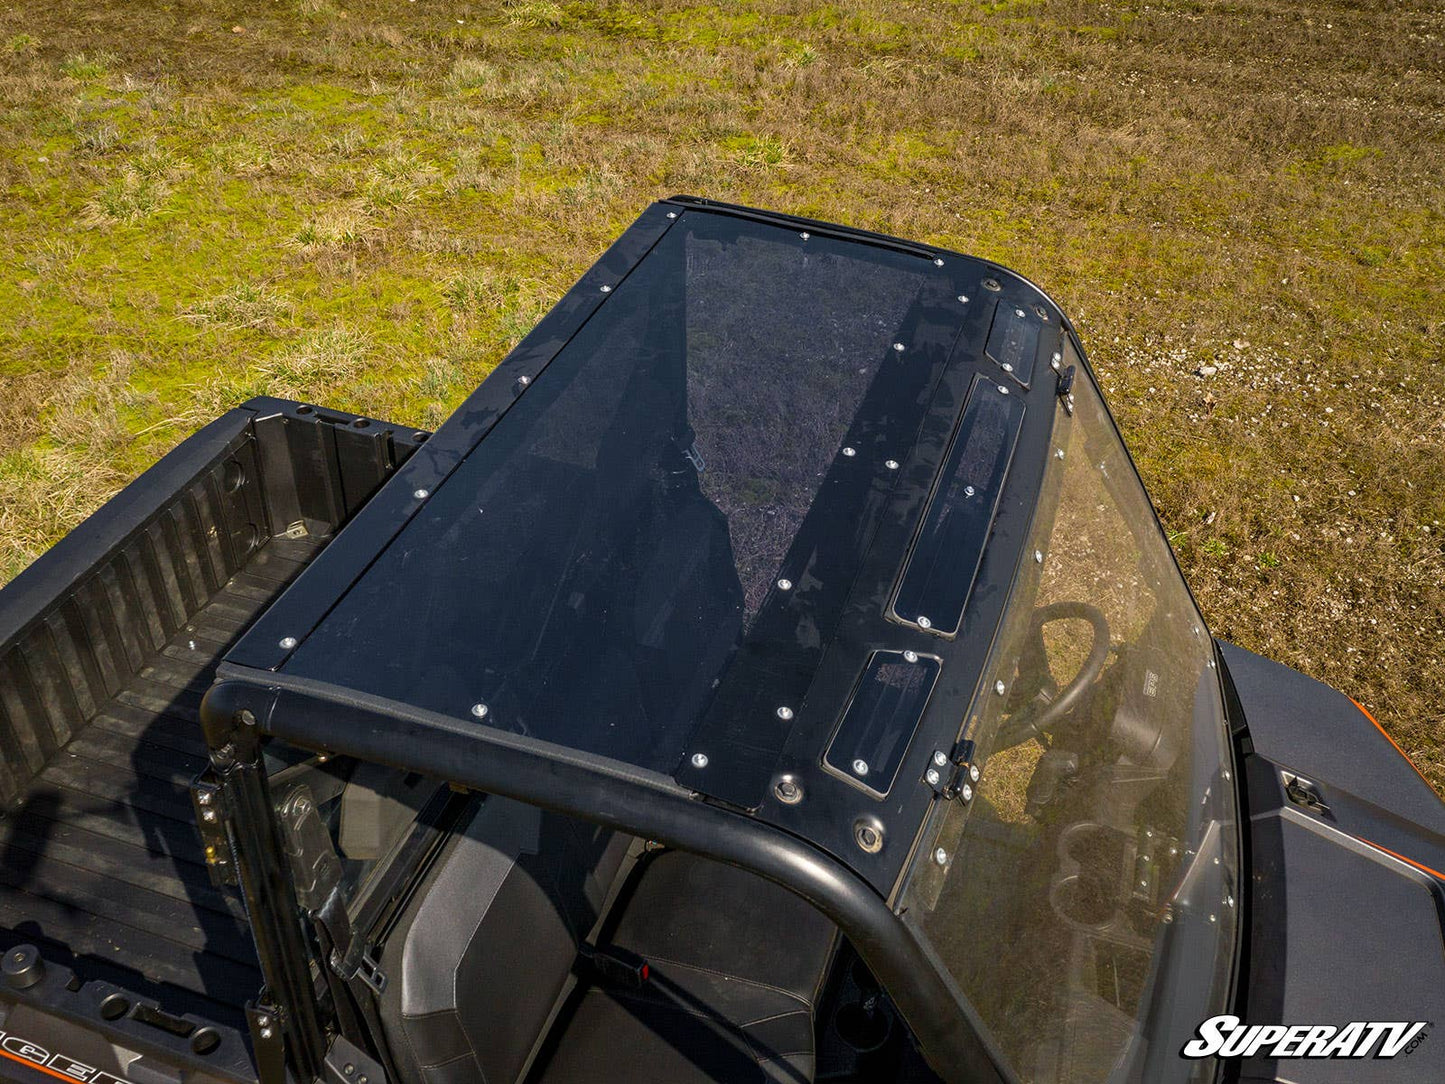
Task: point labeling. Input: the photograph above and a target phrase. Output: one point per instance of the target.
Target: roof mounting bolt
(208, 815)
(868, 835)
(805, 235)
(203, 797)
(671, 214)
(1213, 918)
(860, 767)
(348, 1069)
(785, 713)
(969, 491)
(924, 623)
(891, 464)
(850, 452)
(992, 284)
(1038, 557)
(973, 773)
(606, 289)
(1000, 688)
(1229, 901)
(963, 299)
(1002, 390)
(1019, 313)
(421, 494)
(932, 776)
(787, 791)
(1042, 313)
(938, 261)
(910, 656)
(699, 760)
(480, 710)
(265, 1033)
(1007, 367)
(965, 793)
(287, 643)
(1056, 359)
(899, 347)
(940, 856)
(524, 380)
(940, 758)
(785, 585)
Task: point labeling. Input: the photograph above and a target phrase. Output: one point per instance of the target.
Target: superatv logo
(1228, 1037)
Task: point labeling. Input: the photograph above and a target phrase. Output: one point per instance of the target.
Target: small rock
(1241, 344)
(1210, 518)
(1207, 370)
(238, 30)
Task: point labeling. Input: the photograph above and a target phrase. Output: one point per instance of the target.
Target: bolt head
(699, 760)
(1229, 901)
(480, 710)
(671, 214)
(1000, 688)
(1007, 367)
(860, 767)
(287, 643)
(940, 856)
(938, 261)
(965, 793)
(939, 758)
(208, 815)
(785, 584)
(1019, 313)
(1058, 453)
(1038, 557)
(969, 491)
(785, 713)
(899, 347)
(1002, 390)
(421, 494)
(805, 235)
(932, 776)
(963, 299)
(924, 623)
(203, 797)
(850, 452)
(992, 284)
(788, 792)
(910, 656)
(1057, 358)
(973, 773)
(524, 380)
(891, 464)
(868, 837)
(606, 289)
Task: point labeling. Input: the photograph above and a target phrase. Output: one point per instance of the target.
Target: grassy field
(367, 204)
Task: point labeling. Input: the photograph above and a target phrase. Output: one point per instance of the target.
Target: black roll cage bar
(244, 705)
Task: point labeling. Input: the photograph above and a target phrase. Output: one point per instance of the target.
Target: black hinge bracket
(208, 802)
(268, 1041)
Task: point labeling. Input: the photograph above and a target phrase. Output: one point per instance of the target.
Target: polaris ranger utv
(774, 671)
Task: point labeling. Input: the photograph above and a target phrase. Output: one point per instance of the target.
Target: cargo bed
(107, 645)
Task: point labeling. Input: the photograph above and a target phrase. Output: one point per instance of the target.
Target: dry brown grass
(1241, 207)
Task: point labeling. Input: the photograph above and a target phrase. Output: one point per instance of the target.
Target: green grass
(367, 204)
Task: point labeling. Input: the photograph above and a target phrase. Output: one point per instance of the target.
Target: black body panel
(1346, 906)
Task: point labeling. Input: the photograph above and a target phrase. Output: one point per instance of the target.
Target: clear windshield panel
(1097, 861)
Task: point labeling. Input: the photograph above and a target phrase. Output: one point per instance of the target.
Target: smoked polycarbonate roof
(590, 571)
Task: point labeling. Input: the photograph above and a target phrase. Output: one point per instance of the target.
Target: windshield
(1096, 863)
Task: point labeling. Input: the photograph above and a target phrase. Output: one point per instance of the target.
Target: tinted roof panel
(589, 572)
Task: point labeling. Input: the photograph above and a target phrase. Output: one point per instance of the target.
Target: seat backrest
(484, 954)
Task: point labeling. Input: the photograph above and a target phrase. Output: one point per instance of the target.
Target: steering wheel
(1044, 711)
